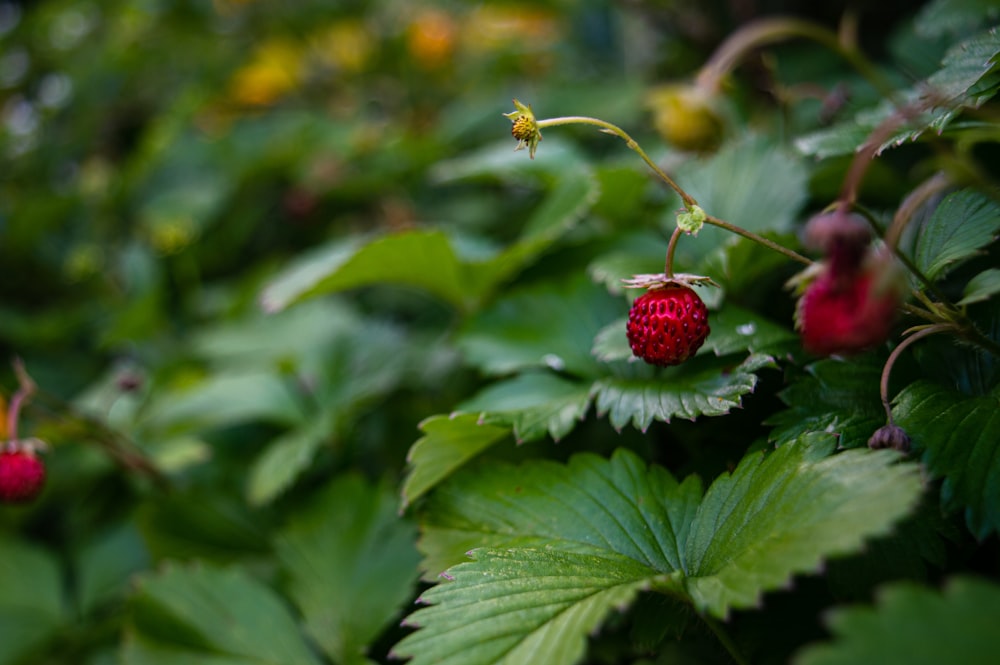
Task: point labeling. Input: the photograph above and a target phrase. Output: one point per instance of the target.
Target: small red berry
(22, 475)
(846, 314)
(667, 325)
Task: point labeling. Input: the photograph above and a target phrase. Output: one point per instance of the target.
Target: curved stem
(887, 369)
(668, 266)
(608, 128)
(768, 31)
(770, 244)
(24, 392)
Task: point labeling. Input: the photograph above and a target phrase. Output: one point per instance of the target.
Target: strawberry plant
(323, 354)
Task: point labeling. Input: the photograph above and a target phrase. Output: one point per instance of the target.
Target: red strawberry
(667, 325)
(847, 313)
(22, 474)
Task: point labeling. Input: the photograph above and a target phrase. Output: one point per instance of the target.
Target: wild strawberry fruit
(890, 436)
(846, 313)
(667, 325)
(22, 475)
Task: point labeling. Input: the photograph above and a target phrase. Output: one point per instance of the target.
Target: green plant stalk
(688, 200)
(668, 265)
(771, 30)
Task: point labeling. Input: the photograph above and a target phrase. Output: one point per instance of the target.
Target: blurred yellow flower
(346, 45)
(273, 71)
(492, 27)
(430, 38)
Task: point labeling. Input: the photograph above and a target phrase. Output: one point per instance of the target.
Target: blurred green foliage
(254, 250)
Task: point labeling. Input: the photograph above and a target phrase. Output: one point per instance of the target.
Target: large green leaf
(424, 259)
(447, 444)
(286, 458)
(836, 396)
(427, 259)
(351, 563)
(31, 599)
(558, 547)
(753, 183)
(963, 223)
(551, 325)
(963, 81)
(913, 625)
(533, 403)
(703, 386)
(203, 614)
(959, 436)
(981, 287)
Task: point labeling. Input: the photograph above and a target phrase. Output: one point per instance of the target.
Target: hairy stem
(668, 266)
(795, 256)
(887, 369)
(25, 390)
(770, 30)
(609, 128)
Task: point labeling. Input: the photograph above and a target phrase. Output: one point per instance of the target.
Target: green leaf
(836, 396)
(533, 404)
(447, 444)
(104, 567)
(559, 546)
(285, 459)
(521, 606)
(351, 563)
(959, 436)
(955, 86)
(31, 599)
(702, 386)
(198, 611)
(223, 399)
(427, 259)
(964, 222)
(981, 287)
(551, 325)
(419, 258)
(913, 625)
(753, 183)
(955, 17)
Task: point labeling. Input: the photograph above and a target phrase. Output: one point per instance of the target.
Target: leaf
(104, 567)
(913, 625)
(959, 437)
(981, 287)
(427, 259)
(752, 183)
(955, 17)
(351, 563)
(192, 612)
(31, 599)
(964, 222)
(836, 396)
(946, 92)
(224, 399)
(551, 325)
(447, 444)
(418, 258)
(702, 386)
(559, 546)
(533, 404)
(285, 459)
(521, 606)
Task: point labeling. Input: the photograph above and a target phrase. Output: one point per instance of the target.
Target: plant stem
(688, 200)
(726, 641)
(795, 256)
(768, 31)
(608, 128)
(887, 369)
(24, 392)
(668, 266)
